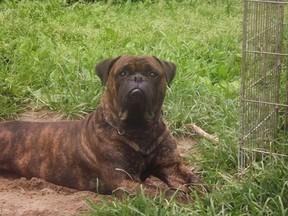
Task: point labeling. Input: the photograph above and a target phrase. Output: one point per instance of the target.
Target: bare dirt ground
(31, 197)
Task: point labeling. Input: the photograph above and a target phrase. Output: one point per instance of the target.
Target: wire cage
(264, 82)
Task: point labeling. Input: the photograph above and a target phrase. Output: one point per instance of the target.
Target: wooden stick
(203, 133)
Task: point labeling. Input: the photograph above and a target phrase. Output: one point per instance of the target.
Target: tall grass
(48, 52)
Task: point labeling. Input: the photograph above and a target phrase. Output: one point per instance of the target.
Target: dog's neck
(113, 122)
(142, 141)
(119, 130)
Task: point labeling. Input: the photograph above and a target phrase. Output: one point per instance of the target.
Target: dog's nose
(138, 78)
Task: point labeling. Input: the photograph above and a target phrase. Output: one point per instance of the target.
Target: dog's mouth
(136, 103)
(136, 97)
(135, 109)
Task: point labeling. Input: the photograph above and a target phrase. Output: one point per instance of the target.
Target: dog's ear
(103, 68)
(169, 68)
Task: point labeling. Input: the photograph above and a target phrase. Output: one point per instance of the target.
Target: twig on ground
(203, 133)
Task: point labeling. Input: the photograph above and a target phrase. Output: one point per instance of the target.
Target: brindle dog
(119, 145)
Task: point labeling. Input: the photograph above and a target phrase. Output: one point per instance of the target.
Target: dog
(119, 145)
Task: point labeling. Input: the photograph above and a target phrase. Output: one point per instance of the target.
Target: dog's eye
(123, 73)
(153, 74)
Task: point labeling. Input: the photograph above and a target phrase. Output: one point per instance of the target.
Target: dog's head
(136, 87)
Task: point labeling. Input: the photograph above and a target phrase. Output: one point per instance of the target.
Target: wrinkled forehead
(137, 63)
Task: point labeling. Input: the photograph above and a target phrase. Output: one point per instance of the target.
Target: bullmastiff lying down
(119, 145)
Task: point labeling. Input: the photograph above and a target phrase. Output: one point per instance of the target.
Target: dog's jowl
(120, 144)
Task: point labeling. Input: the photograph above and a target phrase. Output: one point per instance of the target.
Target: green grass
(48, 52)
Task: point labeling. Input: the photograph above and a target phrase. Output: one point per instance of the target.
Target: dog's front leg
(178, 177)
(169, 168)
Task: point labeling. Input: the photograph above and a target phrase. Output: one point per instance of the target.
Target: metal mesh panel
(264, 81)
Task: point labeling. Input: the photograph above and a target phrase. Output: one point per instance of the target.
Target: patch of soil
(21, 196)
